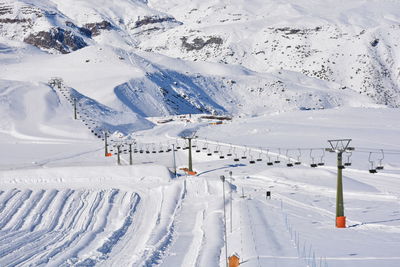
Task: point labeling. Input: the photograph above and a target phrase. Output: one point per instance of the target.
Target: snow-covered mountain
(89, 84)
(348, 48)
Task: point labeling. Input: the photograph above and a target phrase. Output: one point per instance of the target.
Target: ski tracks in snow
(39, 227)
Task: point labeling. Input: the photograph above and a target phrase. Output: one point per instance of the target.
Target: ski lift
(289, 163)
(216, 151)
(252, 161)
(244, 153)
(209, 153)
(313, 164)
(205, 146)
(229, 154)
(322, 162)
(380, 166)
(177, 145)
(221, 156)
(259, 155)
(348, 162)
(372, 169)
(278, 157)
(236, 158)
(298, 162)
(270, 162)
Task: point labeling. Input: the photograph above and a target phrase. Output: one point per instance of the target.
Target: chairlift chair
(289, 162)
(221, 156)
(380, 166)
(209, 153)
(216, 151)
(313, 164)
(298, 162)
(259, 155)
(277, 161)
(205, 146)
(322, 162)
(252, 161)
(269, 162)
(348, 162)
(372, 169)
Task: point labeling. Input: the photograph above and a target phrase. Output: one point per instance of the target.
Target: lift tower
(339, 146)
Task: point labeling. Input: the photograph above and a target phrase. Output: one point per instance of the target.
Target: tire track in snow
(42, 238)
(9, 214)
(84, 235)
(189, 234)
(30, 248)
(163, 236)
(8, 196)
(106, 248)
(30, 207)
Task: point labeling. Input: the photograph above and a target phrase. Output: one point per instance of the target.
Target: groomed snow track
(58, 226)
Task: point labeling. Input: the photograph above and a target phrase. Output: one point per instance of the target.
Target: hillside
(98, 99)
(349, 48)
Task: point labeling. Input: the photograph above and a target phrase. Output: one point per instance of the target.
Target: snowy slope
(291, 74)
(351, 43)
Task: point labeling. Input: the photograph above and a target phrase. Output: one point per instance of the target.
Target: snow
(63, 203)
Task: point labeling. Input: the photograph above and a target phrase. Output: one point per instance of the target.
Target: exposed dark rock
(14, 20)
(289, 31)
(375, 42)
(94, 28)
(154, 19)
(5, 10)
(199, 43)
(57, 39)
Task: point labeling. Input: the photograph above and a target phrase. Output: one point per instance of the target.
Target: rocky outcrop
(96, 27)
(58, 39)
(153, 19)
(199, 43)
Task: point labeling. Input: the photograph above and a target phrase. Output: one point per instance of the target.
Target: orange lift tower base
(234, 261)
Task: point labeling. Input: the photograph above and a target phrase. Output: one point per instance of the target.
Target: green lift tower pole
(190, 155)
(339, 146)
(105, 143)
(189, 138)
(75, 112)
(339, 188)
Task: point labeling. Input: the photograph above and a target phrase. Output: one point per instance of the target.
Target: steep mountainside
(144, 56)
